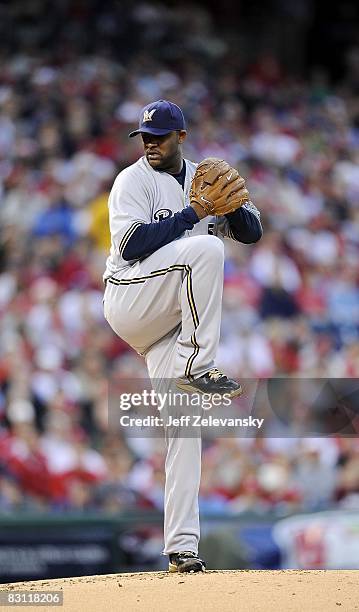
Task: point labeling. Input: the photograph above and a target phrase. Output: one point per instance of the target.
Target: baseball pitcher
(164, 283)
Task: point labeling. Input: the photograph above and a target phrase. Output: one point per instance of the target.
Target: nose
(152, 143)
(150, 140)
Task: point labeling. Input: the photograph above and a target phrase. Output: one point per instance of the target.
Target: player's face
(164, 152)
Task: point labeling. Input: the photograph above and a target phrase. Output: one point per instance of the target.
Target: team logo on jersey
(147, 115)
(162, 214)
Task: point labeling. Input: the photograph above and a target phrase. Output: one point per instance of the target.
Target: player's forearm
(149, 237)
(245, 225)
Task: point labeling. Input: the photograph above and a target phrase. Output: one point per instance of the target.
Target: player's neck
(177, 165)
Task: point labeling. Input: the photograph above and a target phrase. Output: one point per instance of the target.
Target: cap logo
(147, 115)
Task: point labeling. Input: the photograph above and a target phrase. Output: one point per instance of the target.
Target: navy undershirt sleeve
(149, 237)
(245, 226)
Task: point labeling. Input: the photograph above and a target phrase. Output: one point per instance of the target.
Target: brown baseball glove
(217, 187)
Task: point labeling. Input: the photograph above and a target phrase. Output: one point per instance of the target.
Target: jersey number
(211, 228)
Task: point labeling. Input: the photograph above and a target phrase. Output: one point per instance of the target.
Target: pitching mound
(250, 591)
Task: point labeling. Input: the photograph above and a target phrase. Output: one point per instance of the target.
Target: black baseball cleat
(187, 562)
(213, 381)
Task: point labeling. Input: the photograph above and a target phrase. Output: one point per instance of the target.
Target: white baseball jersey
(141, 194)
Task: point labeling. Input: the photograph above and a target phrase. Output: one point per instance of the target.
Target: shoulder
(190, 167)
(132, 175)
(134, 170)
(251, 208)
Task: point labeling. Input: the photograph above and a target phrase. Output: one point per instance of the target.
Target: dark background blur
(305, 35)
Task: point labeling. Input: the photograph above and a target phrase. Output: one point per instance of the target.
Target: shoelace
(215, 374)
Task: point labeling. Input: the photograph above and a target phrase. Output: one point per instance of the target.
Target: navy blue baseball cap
(160, 118)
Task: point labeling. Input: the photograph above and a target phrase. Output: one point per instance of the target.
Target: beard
(155, 162)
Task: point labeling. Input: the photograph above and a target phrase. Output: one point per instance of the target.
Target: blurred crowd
(291, 301)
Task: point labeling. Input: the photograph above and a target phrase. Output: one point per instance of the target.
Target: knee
(208, 247)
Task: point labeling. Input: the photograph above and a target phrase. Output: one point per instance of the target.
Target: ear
(182, 134)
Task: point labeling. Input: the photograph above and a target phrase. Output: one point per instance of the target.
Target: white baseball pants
(168, 308)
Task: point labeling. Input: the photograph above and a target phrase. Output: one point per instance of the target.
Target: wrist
(200, 212)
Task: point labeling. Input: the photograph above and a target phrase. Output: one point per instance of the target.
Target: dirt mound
(250, 591)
